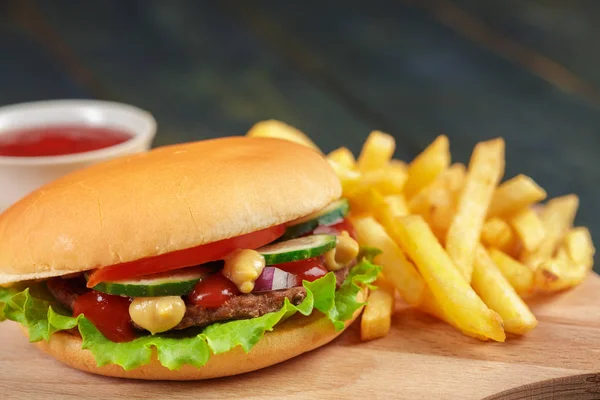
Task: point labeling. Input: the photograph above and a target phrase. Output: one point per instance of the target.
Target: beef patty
(243, 306)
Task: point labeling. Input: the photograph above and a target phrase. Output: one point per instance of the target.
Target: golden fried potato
(573, 261)
(279, 130)
(430, 306)
(396, 205)
(344, 157)
(349, 178)
(520, 276)
(376, 152)
(498, 294)
(399, 164)
(455, 297)
(486, 168)
(366, 200)
(559, 274)
(579, 246)
(376, 318)
(389, 179)
(437, 202)
(427, 166)
(557, 217)
(514, 195)
(392, 206)
(529, 228)
(397, 269)
(497, 233)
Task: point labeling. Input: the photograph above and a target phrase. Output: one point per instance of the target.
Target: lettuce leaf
(369, 253)
(37, 310)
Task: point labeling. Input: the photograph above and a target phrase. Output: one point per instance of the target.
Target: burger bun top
(168, 199)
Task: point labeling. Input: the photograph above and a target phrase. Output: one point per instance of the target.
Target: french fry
(498, 294)
(573, 260)
(366, 201)
(528, 227)
(438, 192)
(444, 205)
(496, 232)
(486, 168)
(389, 179)
(344, 157)
(455, 179)
(515, 194)
(279, 130)
(376, 318)
(428, 165)
(399, 164)
(376, 152)
(579, 247)
(537, 208)
(437, 202)
(391, 207)
(349, 178)
(562, 255)
(431, 307)
(520, 276)
(557, 217)
(559, 274)
(384, 209)
(388, 210)
(396, 268)
(455, 297)
(396, 204)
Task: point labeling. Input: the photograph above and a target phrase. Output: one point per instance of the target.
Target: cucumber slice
(330, 214)
(170, 283)
(297, 249)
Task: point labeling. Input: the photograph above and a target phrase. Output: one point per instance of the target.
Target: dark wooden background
(525, 70)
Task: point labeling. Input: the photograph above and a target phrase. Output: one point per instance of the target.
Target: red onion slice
(275, 279)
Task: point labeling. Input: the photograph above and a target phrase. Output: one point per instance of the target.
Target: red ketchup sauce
(213, 291)
(307, 270)
(57, 140)
(108, 313)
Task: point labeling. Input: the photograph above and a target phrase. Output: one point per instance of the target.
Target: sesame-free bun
(289, 339)
(153, 203)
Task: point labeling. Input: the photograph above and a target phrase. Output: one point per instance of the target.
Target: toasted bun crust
(289, 339)
(168, 199)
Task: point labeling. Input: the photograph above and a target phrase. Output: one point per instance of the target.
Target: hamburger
(191, 261)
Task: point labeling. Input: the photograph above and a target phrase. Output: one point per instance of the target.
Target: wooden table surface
(420, 359)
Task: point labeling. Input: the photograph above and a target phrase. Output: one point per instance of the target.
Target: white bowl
(21, 175)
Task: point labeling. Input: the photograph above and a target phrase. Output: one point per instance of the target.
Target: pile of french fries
(456, 241)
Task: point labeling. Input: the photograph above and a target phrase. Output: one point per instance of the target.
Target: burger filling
(246, 283)
(160, 314)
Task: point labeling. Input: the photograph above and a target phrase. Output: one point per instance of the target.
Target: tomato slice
(307, 270)
(184, 258)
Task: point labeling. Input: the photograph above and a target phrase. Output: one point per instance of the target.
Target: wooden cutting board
(421, 359)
